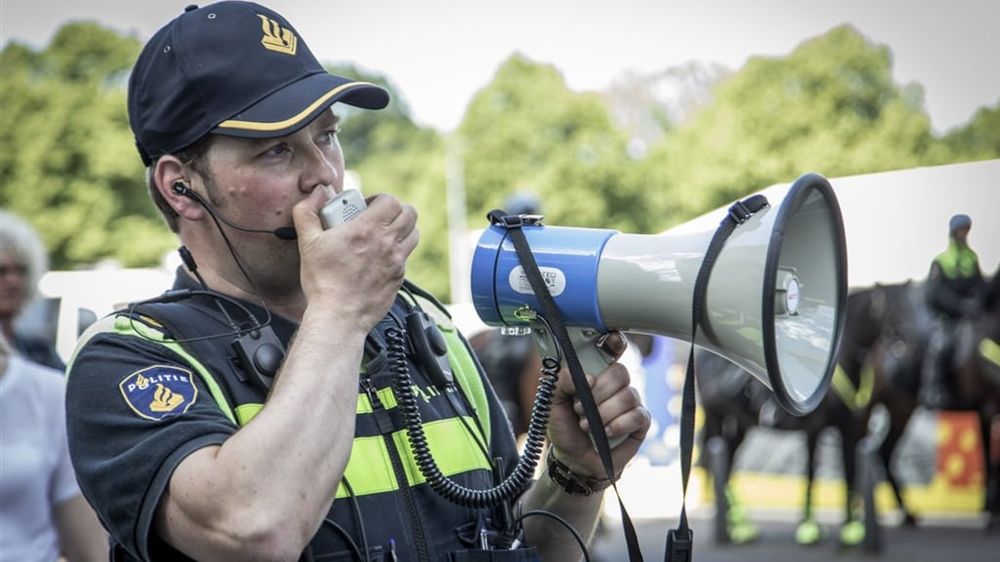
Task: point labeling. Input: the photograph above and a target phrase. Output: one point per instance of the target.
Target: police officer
(954, 288)
(250, 413)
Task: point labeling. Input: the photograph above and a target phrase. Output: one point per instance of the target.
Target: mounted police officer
(251, 412)
(954, 290)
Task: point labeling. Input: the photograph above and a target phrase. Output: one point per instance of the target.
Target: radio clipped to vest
(260, 353)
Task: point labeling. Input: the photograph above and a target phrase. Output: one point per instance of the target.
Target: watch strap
(571, 482)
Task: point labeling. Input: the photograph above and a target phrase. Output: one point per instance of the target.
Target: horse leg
(898, 418)
(808, 531)
(712, 438)
(741, 529)
(852, 532)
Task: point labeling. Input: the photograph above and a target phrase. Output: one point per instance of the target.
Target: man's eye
(330, 136)
(277, 150)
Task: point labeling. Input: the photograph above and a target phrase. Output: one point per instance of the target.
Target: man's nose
(320, 170)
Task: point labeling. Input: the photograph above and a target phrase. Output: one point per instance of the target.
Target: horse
(873, 317)
(975, 369)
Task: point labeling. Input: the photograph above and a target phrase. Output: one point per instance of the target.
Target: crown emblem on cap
(277, 38)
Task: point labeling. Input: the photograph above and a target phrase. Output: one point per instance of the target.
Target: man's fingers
(383, 209)
(615, 407)
(606, 385)
(405, 222)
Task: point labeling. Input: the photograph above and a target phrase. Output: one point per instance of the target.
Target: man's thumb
(305, 214)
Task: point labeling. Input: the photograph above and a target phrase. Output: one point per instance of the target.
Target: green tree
(831, 106)
(980, 138)
(527, 130)
(68, 160)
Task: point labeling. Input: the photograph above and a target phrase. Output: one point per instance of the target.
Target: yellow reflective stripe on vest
(126, 326)
(385, 396)
(990, 350)
(464, 368)
(247, 412)
(370, 469)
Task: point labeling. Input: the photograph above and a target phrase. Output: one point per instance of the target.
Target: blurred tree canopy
(829, 107)
(68, 164)
(527, 131)
(68, 161)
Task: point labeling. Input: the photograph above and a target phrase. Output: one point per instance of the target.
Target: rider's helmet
(958, 222)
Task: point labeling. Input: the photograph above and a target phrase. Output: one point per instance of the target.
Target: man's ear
(173, 182)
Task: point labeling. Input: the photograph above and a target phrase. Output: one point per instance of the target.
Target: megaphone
(774, 303)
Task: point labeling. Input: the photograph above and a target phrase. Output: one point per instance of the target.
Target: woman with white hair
(43, 515)
(23, 260)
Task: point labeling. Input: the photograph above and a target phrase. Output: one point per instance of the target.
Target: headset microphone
(284, 232)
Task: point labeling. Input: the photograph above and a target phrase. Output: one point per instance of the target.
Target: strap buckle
(680, 545)
(499, 217)
(739, 212)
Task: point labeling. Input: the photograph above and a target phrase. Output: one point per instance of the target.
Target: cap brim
(297, 104)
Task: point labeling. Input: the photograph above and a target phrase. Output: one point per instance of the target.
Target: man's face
(961, 235)
(13, 285)
(256, 182)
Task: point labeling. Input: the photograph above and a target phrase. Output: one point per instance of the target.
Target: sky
(438, 53)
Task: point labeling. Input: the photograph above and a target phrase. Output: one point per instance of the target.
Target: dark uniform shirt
(136, 408)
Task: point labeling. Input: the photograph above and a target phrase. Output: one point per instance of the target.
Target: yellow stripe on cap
(279, 125)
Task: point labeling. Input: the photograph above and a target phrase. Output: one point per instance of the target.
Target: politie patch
(160, 391)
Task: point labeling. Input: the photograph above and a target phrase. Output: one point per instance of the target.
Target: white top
(35, 470)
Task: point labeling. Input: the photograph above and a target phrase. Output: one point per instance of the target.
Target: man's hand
(621, 410)
(357, 267)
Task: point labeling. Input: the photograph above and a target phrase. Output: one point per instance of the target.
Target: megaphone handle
(592, 357)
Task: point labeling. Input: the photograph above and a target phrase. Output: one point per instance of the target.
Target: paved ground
(932, 541)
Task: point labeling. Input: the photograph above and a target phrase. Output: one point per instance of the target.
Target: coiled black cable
(522, 474)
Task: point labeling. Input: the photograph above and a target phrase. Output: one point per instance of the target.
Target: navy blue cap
(231, 68)
(959, 222)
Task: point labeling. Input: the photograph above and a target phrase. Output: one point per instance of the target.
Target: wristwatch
(571, 482)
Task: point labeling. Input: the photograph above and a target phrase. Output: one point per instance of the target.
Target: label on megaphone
(554, 279)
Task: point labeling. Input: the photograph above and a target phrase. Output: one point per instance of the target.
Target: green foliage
(356, 140)
(526, 131)
(829, 107)
(68, 163)
(979, 139)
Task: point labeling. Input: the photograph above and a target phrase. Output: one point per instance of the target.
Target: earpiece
(180, 189)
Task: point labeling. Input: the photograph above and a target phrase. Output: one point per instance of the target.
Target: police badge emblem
(160, 391)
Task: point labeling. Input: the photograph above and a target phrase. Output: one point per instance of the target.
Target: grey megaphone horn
(774, 302)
